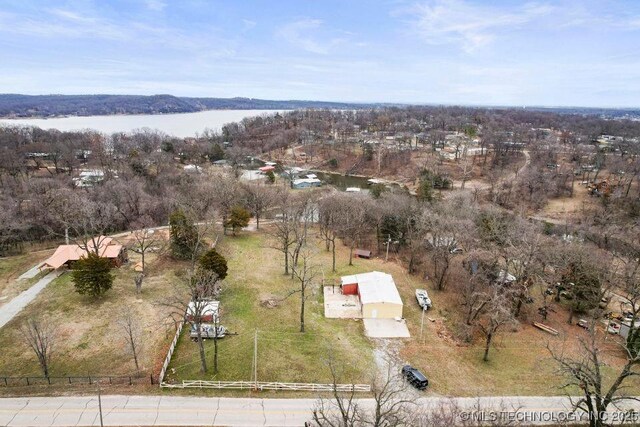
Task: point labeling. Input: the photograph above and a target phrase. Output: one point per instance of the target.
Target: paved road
(13, 307)
(198, 411)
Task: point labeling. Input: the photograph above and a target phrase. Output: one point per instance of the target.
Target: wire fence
(76, 380)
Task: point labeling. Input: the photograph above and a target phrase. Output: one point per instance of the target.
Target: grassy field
(284, 354)
(88, 340)
(12, 267)
(519, 363)
(253, 300)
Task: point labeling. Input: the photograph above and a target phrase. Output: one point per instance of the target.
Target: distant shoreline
(70, 116)
(16, 106)
(181, 125)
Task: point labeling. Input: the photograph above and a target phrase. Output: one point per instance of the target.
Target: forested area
(13, 105)
(489, 248)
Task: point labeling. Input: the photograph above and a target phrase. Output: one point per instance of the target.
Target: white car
(423, 299)
(614, 328)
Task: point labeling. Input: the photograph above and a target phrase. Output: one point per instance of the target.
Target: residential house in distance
(89, 178)
(305, 183)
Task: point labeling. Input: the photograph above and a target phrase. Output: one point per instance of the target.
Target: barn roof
(374, 287)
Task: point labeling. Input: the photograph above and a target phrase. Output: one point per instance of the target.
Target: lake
(180, 125)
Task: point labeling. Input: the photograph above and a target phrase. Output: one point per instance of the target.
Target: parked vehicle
(207, 331)
(423, 299)
(415, 377)
(456, 250)
(583, 323)
(614, 328)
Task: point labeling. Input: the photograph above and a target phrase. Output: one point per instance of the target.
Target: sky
(471, 52)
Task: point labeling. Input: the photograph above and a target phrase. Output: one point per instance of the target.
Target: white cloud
(248, 24)
(155, 5)
(299, 34)
(62, 24)
(466, 24)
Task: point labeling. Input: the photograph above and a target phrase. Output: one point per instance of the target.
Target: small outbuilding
(377, 292)
(362, 253)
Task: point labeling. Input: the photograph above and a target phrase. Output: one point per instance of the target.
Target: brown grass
(89, 341)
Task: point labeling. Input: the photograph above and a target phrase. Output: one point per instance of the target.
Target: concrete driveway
(9, 310)
(386, 328)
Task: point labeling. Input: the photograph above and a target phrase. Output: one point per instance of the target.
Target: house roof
(309, 181)
(374, 287)
(66, 253)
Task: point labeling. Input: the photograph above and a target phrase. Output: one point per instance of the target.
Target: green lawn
(284, 354)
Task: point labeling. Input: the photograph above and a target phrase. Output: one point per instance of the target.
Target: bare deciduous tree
(329, 214)
(259, 199)
(145, 238)
(304, 275)
(41, 336)
(354, 221)
(584, 371)
(132, 333)
(497, 315)
(191, 302)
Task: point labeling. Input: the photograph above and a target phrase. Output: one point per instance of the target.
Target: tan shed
(378, 294)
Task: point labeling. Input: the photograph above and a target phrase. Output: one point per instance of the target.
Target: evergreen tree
(213, 261)
(183, 235)
(92, 275)
(238, 218)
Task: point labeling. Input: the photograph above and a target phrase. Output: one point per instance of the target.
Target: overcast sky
(567, 52)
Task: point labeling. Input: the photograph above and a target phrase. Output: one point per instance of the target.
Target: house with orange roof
(66, 255)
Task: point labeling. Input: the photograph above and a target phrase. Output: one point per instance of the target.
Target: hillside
(14, 105)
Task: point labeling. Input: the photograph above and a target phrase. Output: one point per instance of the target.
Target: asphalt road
(213, 411)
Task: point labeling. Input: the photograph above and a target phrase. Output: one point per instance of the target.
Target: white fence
(252, 385)
(167, 359)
